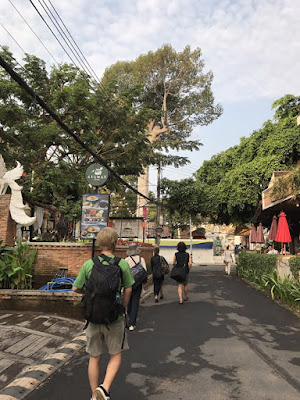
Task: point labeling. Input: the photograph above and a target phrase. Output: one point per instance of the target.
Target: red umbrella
(253, 234)
(283, 232)
(273, 229)
(260, 235)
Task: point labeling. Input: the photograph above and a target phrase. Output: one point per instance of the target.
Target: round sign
(96, 174)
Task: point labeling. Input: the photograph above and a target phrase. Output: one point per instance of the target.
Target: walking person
(184, 260)
(133, 260)
(228, 259)
(158, 274)
(112, 330)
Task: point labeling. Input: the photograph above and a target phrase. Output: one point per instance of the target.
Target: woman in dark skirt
(157, 273)
(183, 259)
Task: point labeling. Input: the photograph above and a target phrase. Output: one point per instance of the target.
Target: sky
(252, 47)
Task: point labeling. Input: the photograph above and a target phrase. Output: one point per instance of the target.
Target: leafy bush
(261, 270)
(16, 266)
(285, 289)
(253, 266)
(294, 263)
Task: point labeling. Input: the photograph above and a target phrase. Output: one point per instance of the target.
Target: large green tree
(177, 92)
(231, 182)
(108, 120)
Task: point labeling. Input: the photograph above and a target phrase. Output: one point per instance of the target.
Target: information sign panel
(94, 217)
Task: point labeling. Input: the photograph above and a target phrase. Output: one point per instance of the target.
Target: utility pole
(158, 208)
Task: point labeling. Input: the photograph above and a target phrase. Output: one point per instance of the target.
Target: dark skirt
(186, 281)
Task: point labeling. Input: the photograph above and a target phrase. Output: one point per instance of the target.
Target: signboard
(96, 174)
(159, 230)
(94, 217)
(128, 227)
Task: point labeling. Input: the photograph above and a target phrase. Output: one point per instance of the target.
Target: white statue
(16, 207)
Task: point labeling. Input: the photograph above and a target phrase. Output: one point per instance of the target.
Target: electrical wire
(62, 34)
(59, 29)
(4, 49)
(16, 77)
(91, 69)
(51, 55)
(12, 37)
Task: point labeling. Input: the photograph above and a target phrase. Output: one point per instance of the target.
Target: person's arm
(126, 297)
(77, 290)
(143, 262)
(190, 261)
(81, 278)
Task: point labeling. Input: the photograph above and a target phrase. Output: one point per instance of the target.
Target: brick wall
(53, 256)
(7, 225)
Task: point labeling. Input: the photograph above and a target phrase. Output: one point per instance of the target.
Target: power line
(16, 77)
(4, 49)
(52, 32)
(43, 19)
(75, 42)
(12, 37)
(51, 55)
(62, 34)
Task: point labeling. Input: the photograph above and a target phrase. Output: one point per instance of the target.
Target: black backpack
(101, 303)
(139, 274)
(157, 270)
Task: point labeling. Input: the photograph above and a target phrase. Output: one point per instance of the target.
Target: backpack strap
(136, 263)
(111, 260)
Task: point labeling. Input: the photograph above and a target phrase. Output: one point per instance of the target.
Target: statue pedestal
(7, 225)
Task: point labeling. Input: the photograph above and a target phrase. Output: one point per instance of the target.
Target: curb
(33, 376)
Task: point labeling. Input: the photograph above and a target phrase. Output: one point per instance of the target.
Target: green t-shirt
(86, 269)
(85, 272)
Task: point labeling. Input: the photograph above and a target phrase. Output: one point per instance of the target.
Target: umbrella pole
(284, 246)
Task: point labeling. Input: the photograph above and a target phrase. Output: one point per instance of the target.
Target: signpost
(96, 174)
(95, 207)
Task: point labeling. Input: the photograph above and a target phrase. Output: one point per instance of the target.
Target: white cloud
(252, 46)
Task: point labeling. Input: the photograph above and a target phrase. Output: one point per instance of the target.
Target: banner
(95, 212)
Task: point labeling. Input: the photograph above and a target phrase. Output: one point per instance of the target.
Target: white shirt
(136, 258)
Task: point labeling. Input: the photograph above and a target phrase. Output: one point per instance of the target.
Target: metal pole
(158, 208)
(191, 238)
(93, 248)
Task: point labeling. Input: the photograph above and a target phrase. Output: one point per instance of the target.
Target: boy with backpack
(103, 308)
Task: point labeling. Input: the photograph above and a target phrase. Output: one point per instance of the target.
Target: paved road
(29, 347)
(228, 341)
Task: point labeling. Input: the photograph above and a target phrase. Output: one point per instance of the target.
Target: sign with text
(94, 217)
(96, 174)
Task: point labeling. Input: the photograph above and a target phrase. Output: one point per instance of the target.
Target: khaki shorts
(112, 336)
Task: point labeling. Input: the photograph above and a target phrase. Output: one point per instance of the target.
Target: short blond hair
(107, 239)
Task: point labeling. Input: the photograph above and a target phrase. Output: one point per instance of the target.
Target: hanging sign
(96, 174)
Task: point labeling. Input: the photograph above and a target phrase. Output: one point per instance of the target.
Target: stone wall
(51, 257)
(7, 225)
(283, 267)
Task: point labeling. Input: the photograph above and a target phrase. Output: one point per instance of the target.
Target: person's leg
(161, 291)
(93, 372)
(156, 287)
(135, 296)
(228, 268)
(179, 289)
(186, 289)
(112, 369)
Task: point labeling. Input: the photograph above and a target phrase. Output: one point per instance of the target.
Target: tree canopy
(231, 182)
(177, 94)
(110, 122)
